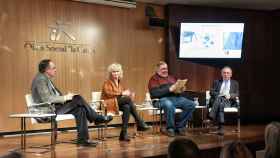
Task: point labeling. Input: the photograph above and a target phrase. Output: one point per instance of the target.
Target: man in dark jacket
(224, 93)
(162, 86)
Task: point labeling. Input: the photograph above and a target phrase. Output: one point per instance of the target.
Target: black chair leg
(160, 121)
(55, 131)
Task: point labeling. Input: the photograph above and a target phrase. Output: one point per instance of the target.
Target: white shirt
(225, 87)
(54, 89)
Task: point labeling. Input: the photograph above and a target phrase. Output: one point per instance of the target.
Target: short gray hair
(115, 67)
(159, 64)
(226, 67)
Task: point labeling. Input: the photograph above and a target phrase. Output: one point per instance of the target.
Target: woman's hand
(132, 95)
(126, 92)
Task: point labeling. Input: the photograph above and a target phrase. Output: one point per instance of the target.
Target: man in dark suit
(224, 93)
(44, 90)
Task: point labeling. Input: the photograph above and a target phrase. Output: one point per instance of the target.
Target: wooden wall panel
(117, 34)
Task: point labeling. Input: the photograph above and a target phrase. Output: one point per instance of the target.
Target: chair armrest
(40, 104)
(138, 106)
(153, 100)
(237, 102)
(156, 99)
(95, 101)
(230, 109)
(35, 107)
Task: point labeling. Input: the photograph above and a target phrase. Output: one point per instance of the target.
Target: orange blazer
(110, 91)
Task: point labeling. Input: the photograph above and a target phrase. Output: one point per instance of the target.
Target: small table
(199, 115)
(101, 132)
(23, 117)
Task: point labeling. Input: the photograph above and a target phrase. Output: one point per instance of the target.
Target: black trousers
(82, 112)
(217, 110)
(127, 107)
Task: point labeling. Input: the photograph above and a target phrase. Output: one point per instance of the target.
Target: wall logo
(56, 31)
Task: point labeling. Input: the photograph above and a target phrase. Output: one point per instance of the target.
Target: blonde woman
(235, 149)
(117, 98)
(272, 140)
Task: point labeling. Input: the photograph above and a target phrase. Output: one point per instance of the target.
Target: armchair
(44, 108)
(233, 109)
(155, 104)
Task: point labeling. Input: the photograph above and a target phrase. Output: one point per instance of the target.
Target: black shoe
(211, 116)
(210, 124)
(181, 131)
(124, 136)
(103, 119)
(87, 143)
(143, 127)
(221, 131)
(169, 132)
(13, 154)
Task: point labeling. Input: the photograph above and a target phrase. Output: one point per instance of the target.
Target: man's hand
(227, 96)
(172, 88)
(68, 96)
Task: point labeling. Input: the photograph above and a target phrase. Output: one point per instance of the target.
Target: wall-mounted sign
(58, 47)
(56, 31)
(60, 29)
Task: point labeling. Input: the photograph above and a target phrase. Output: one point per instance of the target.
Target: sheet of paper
(180, 85)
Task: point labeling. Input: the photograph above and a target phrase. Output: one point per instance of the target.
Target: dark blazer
(215, 90)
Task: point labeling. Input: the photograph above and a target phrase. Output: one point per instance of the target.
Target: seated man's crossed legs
(217, 112)
(83, 113)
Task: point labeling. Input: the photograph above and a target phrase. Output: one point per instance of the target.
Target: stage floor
(146, 145)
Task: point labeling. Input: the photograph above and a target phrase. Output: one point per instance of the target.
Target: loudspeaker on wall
(157, 22)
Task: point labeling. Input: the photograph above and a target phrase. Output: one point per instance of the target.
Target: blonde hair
(272, 140)
(235, 149)
(115, 67)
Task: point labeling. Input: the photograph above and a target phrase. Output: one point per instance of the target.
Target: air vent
(116, 3)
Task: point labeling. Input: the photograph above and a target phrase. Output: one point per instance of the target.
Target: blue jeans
(169, 105)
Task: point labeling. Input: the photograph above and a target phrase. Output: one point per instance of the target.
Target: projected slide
(211, 40)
